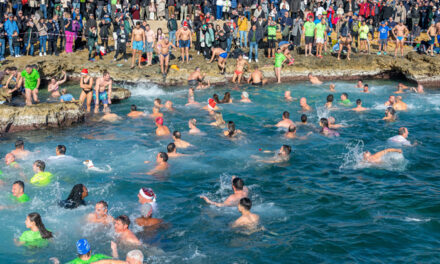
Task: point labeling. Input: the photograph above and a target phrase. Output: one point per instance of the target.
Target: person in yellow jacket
(243, 29)
(41, 177)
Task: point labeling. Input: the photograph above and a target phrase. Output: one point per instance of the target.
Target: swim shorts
(149, 47)
(309, 40)
(258, 83)
(102, 97)
(283, 42)
(319, 40)
(138, 45)
(193, 83)
(399, 38)
(223, 55)
(431, 41)
(184, 43)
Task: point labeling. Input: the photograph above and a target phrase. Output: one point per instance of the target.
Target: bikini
(88, 82)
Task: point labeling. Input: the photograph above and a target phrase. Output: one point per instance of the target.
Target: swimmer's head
(286, 115)
(17, 188)
(101, 208)
(398, 98)
(244, 95)
(157, 101)
(330, 98)
(159, 121)
(331, 120)
(162, 157)
(122, 223)
(403, 131)
(38, 166)
(106, 75)
(146, 195)
(197, 69)
(177, 135)
(133, 108)
(420, 88)
(231, 128)
(285, 150)
(245, 204)
(19, 144)
(390, 111)
(60, 150)
(292, 129)
(332, 86)
(216, 99)
(171, 148)
(359, 102)
(303, 101)
(169, 104)
(34, 220)
(366, 88)
(304, 118)
(323, 122)
(344, 96)
(156, 109)
(310, 75)
(237, 184)
(360, 83)
(392, 99)
(9, 158)
(135, 256)
(192, 123)
(287, 94)
(366, 155)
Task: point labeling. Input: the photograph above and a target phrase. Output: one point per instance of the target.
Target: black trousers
(52, 49)
(122, 49)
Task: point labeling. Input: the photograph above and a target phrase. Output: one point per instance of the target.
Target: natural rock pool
(323, 206)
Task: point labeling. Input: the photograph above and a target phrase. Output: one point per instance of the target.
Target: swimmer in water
(226, 99)
(122, 223)
(360, 84)
(161, 129)
(285, 122)
(313, 79)
(54, 86)
(177, 137)
(219, 122)
(156, 113)
(366, 89)
(147, 199)
(100, 215)
(283, 155)
(169, 106)
(191, 100)
(158, 103)
(291, 133)
(232, 131)
(211, 107)
(240, 191)
(304, 106)
(18, 195)
(401, 88)
(391, 101)
(161, 163)
(247, 219)
(172, 151)
(399, 105)
(10, 161)
(332, 87)
(192, 126)
(288, 97)
(402, 138)
(303, 119)
(19, 152)
(390, 114)
(329, 103)
(109, 116)
(245, 98)
(344, 100)
(359, 107)
(134, 113)
(418, 90)
(326, 131)
(332, 123)
(377, 157)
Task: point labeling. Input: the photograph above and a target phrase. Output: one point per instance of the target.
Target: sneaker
(384, 53)
(45, 54)
(379, 53)
(250, 60)
(256, 60)
(16, 56)
(41, 54)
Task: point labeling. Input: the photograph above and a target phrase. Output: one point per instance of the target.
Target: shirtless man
(291, 133)
(286, 122)
(332, 87)
(178, 141)
(399, 32)
(161, 129)
(172, 151)
(169, 106)
(158, 102)
(161, 163)
(314, 79)
(192, 127)
(366, 89)
(147, 199)
(137, 40)
(282, 155)
(156, 113)
(134, 113)
(401, 88)
(304, 106)
(239, 69)
(103, 91)
(191, 100)
(359, 84)
(54, 86)
(245, 98)
(399, 105)
(100, 215)
(418, 90)
(390, 114)
(222, 55)
(195, 80)
(163, 49)
(247, 219)
(432, 32)
(256, 77)
(150, 38)
(240, 191)
(359, 107)
(109, 116)
(287, 96)
(391, 101)
(184, 40)
(122, 223)
(19, 152)
(377, 157)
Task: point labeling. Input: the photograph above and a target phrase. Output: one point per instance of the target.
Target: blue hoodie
(10, 27)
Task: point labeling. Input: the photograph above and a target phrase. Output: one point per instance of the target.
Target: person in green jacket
(85, 254)
(280, 58)
(38, 235)
(41, 177)
(363, 37)
(92, 43)
(271, 39)
(344, 100)
(31, 79)
(18, 195)
(309, 35)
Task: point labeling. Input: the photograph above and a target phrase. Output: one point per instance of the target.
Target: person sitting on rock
(66, 97)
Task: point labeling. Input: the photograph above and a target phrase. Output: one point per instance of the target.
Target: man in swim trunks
(247, 219)
(178, 141)
(103, 91)
(195, 79)
(304, 106)
(137, 40)
(163, 49)
(240, 191)
(285, 48)
(134, 113)
(222, 55)
(31, 79)
(100, 215)
(239, 69)
(280, 58)
(432, 32)
(161, 129)
(184, 40)
(359, 107)
(19, 152)
(377, 157)
(161, 163)
(256, 77)
(122, 224)
(147, 199)
(313, 79)
(399, 32)
(285, 122)
(150, 38)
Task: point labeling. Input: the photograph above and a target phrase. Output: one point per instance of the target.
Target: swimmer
(163, 49)
(390, 114)
(19, 152)
(10, 161)
(288, 97)
(331, 123)
(418, 90)
(359, 107)
(240, 191)
(147, 199)
(161, 129)
(219, 122)
(402, 138)
(399, 105)
(291, 133)
(41, 177)
(401, 88)
(109, 116)
(161, 163)
(84, 254)
(232, 131)
(285, 122)
(226, 99)
(360, 84)
(100, 215)
(177, 137)
(239, 69)
(245, 98)
(122, 223)
(377, 157)
(156, 113)
(18, 195)
(399, 32)
(76, 197)
(192, 126)
(304, 106)
(256, 77)
(169, 106)
(391, 101)
(158, 103)
(211, 106)
(54, 85)
(332, 87)
(191, 100)
(303, 119)
(172, 151)
(313, 79)
(326, 131)
(37, 233)
(366, 89)
(60, 153)
(283, 155)
(134, 113)
(247, 219)
(184, 40)
(344, 100)
(195, 80)
(222, 55)
(134, 256)
(329, 103)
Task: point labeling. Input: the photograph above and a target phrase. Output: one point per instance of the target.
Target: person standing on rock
(103, 91)
(31, 79)
(239, 70)
(399, 32)
(163, 49)
(221, 61)
(280, 58)
(184, 40)
(344, 39)
(86, 84)
(137, 40)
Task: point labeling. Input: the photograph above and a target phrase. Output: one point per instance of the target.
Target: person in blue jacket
(10, 27)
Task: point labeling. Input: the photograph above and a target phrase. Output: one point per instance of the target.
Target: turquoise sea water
(323, 206)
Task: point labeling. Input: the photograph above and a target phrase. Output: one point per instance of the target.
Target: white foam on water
(151, 91)
(413, 219)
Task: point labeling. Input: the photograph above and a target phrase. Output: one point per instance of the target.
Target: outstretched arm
(64, 79)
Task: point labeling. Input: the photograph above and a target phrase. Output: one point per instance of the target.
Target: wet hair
(11, 69)
(231, 128)
(286, 114)
(292, 128)
(193, 121)
(226, 98)
(105, 72)
(163, 156)
(104, 203)
(20, 183)
(40, 164)
(138, 23)
(303, 118)
(19, 143)
(124, 219)
(157, 100)
(36, 218)
(238, 183)
(324, 122)
(197, 68)
(216, 99)
(61, 149)
(177, 134)
(402, 130)
(171, 147)
(246, 203)
(366, 85)
(391, 110)
(287, 149)
(358, 101)
(330, 98)
(75, 198)
(133, 107)
(345, 94)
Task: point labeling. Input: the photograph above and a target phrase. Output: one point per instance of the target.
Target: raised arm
(64, 79)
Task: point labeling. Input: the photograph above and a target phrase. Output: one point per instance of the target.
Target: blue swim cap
(82, 246)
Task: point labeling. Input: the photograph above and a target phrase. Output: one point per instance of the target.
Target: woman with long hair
(219, 122)
(232, 131)
(37, 235)
(227, 98)
(76, 197)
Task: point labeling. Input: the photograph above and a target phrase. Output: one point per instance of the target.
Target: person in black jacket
(172, 28)
(104, 31)
(30, 37)
(53, 30)
(3, 35)
(254, 37)
(222, 40)
(122, 39)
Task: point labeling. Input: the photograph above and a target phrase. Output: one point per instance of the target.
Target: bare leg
(82, 97)
(166, 64)
(35, 95)
(187, 54)
(89, 101)
(133, 58)
(28, 94)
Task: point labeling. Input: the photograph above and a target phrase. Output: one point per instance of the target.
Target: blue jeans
(43, 40)
(11, 48)
(255, 46)
(247, 14)
(18, 8)
(43, 9)
(229, 43)
(17, 50)
(219, 13)
(243, 38)
(31, 51)
(172, 37)
(2, 48)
